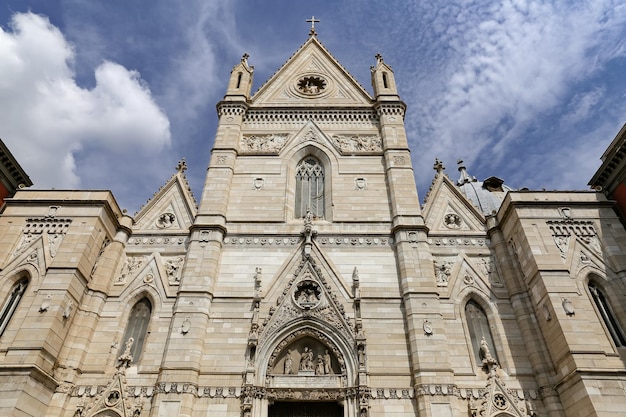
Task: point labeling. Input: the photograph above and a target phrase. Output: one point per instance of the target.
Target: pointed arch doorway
(305, 409)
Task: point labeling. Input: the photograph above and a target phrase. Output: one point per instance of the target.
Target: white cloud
(513, 62)
(46, 118)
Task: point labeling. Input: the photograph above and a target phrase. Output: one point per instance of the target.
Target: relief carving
(263, 143)
(358, 143)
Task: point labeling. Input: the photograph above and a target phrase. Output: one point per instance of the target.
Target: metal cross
(313, 21)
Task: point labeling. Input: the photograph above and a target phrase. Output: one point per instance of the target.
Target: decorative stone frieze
(323, 240)
(459, 241)
(55, 228)
(231, 109)
(358, 144)
(263, 144)
(563, 230)
(158, 240)
(352, 116)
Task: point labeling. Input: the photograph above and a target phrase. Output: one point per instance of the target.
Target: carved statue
(328, 370)
(319, 369)
(489, 362)
(306, 360)
(443, 273)
(288, 363)
(361, 355)
(126, 358)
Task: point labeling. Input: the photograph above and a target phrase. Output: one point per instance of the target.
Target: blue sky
(111, 94)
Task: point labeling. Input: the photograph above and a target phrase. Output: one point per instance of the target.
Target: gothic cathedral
(309, 281)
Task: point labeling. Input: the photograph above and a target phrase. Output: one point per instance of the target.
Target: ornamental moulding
(157, 240)
(318, 116)
(263, 392)
(458, 241)
(261, 240)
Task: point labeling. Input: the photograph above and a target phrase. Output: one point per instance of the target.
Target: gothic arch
(495, 326)
(129, 302)
(11, 297)
(608, 308)
(342, 348)
(329, 162)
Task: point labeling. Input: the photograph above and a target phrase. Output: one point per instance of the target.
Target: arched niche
(340, 360)
(307, 356)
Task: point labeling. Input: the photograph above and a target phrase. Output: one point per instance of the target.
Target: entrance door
(305, 409)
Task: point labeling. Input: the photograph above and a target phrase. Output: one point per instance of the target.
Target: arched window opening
(478, 326)
(239, 80)
(11, 303)
(310, 188)
(607, 315)
(137, 328)
(385, 83)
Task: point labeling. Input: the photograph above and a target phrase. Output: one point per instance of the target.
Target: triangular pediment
(171, 209)
(159, 272)
(448, 211)
(114, 400)
(311, 77)
(311, 134)
(498, 400)
(581, 256)
(308, 288)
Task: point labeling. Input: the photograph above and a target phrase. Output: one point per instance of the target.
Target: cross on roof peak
(313, 21)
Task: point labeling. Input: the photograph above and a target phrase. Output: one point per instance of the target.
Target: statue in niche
(361, 355)
(306, 360)
(328, 370)
(288, 363)
(319, 369)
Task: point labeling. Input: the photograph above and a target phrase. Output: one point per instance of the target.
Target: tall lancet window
(478, 327)
(310, 188)
(137, 328)
(11, 303)
(617, 334)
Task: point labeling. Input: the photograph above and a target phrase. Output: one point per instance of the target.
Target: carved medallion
(166, 220)
(308, 294)
(311, 85)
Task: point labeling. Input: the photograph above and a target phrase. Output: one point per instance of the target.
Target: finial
(438, 166)
(244, 58)
(465, 177)
(379, 58)
(181, 166)
(313, 21)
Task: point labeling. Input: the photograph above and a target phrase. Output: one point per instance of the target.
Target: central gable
(311, 77)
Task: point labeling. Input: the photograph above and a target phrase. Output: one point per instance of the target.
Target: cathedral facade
(309, 281)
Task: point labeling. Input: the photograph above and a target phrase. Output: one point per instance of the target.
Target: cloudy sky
(111, 94)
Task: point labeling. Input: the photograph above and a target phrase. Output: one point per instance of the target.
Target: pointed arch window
(137, 327)
(478, 326)
(612, 325)
(310, 188)
(10, 305)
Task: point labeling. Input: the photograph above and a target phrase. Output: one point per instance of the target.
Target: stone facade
(309, 277)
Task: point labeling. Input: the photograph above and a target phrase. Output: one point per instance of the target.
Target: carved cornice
(322, 240)
(459, 241)
(225, 108)
(391, 109)
(158, 240)
(432, 390)
(338, 116)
